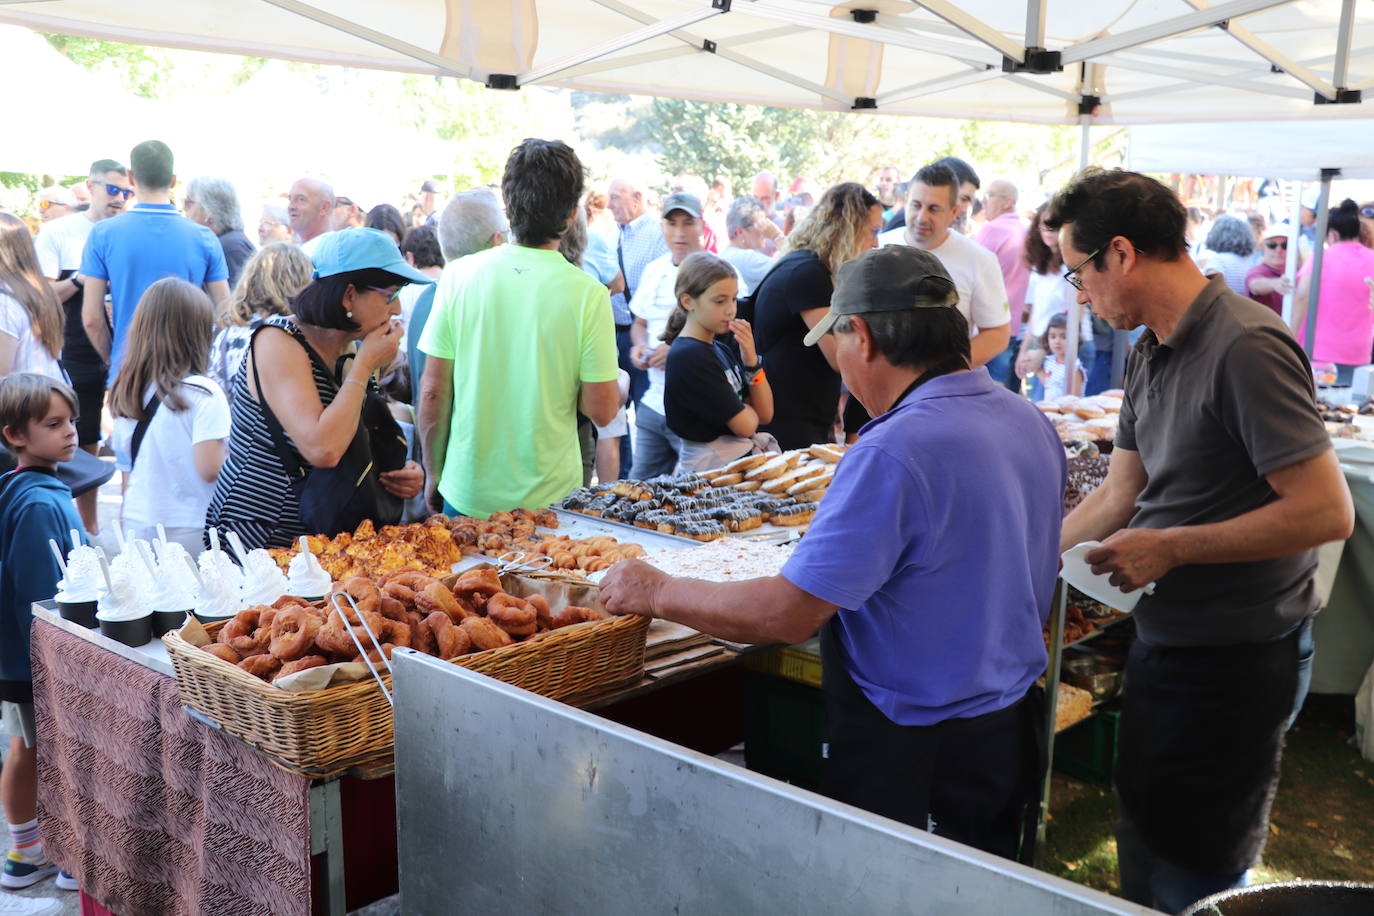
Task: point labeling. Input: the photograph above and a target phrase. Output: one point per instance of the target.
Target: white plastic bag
(1364, 716)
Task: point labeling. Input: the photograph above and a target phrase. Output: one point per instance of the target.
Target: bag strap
(274, 427)
(141, 428)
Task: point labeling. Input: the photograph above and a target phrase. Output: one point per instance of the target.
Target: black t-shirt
(237, 251)
(704, 388)
(805, 388)
(79, 359)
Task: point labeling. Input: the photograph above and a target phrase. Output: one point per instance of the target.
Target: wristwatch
(76, 281)
(752, 370)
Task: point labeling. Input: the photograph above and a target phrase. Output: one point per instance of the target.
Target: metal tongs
(362, 653)
(521, 562)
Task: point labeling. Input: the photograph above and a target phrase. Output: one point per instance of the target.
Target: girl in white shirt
(30, 314)
(172, 422)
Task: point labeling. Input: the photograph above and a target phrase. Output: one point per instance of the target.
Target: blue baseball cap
(362, 249)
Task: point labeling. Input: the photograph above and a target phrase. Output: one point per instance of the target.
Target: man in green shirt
(518, 342)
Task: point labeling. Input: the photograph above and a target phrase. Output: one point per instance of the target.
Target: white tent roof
(1143, 61)
(1296, 150)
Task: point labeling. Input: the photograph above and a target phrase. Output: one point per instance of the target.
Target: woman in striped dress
(352, 298)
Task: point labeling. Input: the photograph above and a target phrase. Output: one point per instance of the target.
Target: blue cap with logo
(362, 249)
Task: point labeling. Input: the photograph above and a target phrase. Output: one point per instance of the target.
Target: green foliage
(150, 72)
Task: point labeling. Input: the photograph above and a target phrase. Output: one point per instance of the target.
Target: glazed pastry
(794, 515)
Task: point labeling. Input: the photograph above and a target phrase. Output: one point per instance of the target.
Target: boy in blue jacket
(37, 419)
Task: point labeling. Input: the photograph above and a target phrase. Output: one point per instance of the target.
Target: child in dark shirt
(715, 393)
(38, 421)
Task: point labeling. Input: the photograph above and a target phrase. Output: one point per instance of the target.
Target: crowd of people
(502, 348)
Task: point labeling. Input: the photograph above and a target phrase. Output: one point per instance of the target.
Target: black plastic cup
(82, 612)
(167, 621)
(206, 619)
(134, 633)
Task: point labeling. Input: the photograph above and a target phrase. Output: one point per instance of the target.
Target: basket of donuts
(294, 681)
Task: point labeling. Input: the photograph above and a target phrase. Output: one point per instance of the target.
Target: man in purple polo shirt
(930, 613)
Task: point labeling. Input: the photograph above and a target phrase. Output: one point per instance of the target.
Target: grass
(1321, 827)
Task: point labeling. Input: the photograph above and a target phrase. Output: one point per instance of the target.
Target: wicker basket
(324, 732)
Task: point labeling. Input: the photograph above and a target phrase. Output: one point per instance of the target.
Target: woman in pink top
(1345, 321)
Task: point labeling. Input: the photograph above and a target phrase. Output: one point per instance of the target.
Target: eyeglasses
(48, 204)
(115, 190)
(390, 294)
(1367, 212)
(1277, 243)
(1072, 273)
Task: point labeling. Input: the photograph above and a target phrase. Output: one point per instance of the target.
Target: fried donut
(255, 644)
(485, 634)
(422, 637)
(263, 666)
(334, 639)
(512, 614)
(477, 585)
(411, 579)
(288, 600)
(372, 654)
(269, 613)
(449, 641)
(572, 614)
(400, 592)
(293, 633)
(437, 598)
(241, 624)
(395, 632)
(300, 664)
(391, 608)
(221, 652)
(543, 616)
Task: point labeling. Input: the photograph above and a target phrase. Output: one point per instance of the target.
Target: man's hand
(404, 483)
(637, 357)
(433, 500)
(1134, 557)
(631, 587)
(657, 358)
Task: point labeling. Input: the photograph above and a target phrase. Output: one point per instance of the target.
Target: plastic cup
(167, 621)
(82, 612)
(136, 632)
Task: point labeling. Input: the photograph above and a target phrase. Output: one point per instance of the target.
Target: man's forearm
(1100, 515)
(757, 611)
(987, 343)
(93, 317)
(433, 418)
(1279, 529)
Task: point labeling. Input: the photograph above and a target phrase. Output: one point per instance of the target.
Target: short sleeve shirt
(524, 330)
(134, 250)
(1222, 402)
(976, 274)
(805, 388)
(60, 245)
(638, 243)
(1005, 237)
(705, 389)
(1345, 323)
(939, 618)
(654, 301)
(30, 355)
(1263, 271)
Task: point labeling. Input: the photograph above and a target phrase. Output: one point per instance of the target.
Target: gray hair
(220, 202)
(277, 210)
(1231, 234)
(573, 244)
(743, 213)
(469, 221)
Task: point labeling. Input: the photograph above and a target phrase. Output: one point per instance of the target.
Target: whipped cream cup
(306, 577)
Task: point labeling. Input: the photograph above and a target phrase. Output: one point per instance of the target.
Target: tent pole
(1318, 250)
(1290, 267)
(1072, 344)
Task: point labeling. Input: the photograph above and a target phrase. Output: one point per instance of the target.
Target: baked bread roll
(1089, 411)
(781, 483)
(831, 454)
(747, 463)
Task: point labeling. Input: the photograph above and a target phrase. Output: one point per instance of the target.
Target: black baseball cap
(887, 279)
(683, 201)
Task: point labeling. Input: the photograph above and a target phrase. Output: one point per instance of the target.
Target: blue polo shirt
(939, 542)
(134, 250)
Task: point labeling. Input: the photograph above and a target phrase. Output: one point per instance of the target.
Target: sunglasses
(1281, 243)
(1367, 212)
(390, 294)
(49, 204)
(115, 190)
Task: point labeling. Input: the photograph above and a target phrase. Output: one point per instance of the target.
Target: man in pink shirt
(1005, 236)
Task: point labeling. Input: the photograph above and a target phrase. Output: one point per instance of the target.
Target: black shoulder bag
(141, 428)
(338, 499)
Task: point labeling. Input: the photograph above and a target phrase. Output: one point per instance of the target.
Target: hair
(22, 279)
(1231, 234)
(573, 244)
(25, 398)
(1345, 220)
(1103, 204)
(151, 161)
(273, 275)
(468, 222)
(102, 167)
(595, 202)
(1196, 216)
(743, 213)
(938, 175)
(697, 273)
(917, 337)
(541, 186)
(961, 169)
(1367, 225)
(168, 340)
(1058, 320)
(321, 303)
(1041, 257)
(277, 210)
(219, 200)
(1257, 223)
(422, 243)
(837, 229)
(388, 219)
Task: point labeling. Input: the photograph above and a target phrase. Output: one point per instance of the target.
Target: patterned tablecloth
(153, 811)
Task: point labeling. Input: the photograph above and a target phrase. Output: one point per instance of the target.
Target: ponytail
(676, 322)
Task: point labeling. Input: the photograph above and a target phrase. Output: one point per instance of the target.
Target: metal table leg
(1056, 653)
(326, 838)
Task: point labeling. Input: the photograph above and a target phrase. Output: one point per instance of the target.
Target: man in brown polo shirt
(1222, 484)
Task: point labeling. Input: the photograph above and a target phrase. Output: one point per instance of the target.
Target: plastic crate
(799, 663)
(1088, 750)
(784, 725)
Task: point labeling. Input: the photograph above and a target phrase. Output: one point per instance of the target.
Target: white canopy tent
(1046, 61)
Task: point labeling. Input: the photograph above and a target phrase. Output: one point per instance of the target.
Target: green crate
(800, 663)
(1088, 749)
(784, 725)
